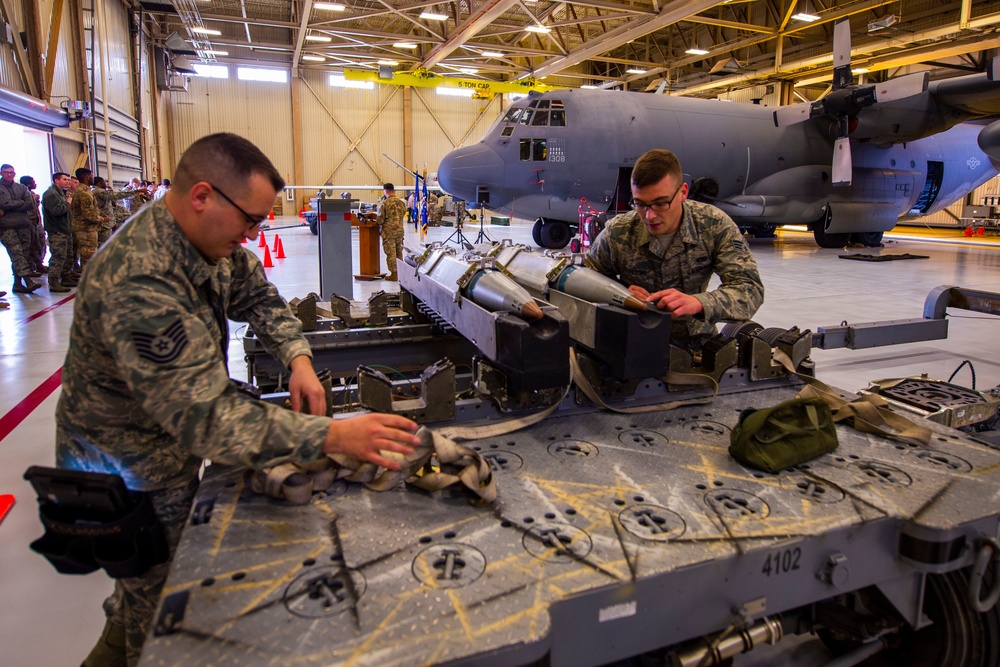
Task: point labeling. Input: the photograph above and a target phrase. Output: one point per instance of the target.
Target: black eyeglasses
(660, 206)
(251, 220)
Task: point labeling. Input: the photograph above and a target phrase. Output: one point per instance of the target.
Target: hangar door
(125, 154)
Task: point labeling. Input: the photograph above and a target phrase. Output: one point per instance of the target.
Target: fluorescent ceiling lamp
(329, 6)
(468, 70)
(589, 87)
(540, 29)
(391, 63)
(338, 81)
(404, 45)
(318, 38)
(805, 14)
(694, 51)
(315, 59)
(491, 54)
(455, 92)
(216, 53)
(634, 70)
(859, 70)
(206, 31)
(431, 16)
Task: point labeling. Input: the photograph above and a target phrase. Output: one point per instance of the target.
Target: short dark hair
(652, 167)
(224, 159)
(166, 182)
(6, 166)
(389, 186)
(58, 174)
(81, 172)
(99, 180)
(26, 179)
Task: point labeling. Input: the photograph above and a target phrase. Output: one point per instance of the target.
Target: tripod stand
(457, 236)
(483, 236)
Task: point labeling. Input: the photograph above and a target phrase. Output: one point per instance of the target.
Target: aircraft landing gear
(764, 231)
(554, 234)
(869, 239)
(824, 239)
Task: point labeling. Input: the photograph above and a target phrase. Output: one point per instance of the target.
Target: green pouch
(784, 435)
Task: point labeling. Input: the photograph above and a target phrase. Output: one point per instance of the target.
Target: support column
(298, 163)
(408, 134)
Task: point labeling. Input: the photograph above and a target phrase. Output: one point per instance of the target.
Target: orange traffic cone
(270, 215)
(280, 252)
(267, 258)
(277, 240)
(263, 240)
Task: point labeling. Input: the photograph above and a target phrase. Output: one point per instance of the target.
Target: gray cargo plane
(848, 165)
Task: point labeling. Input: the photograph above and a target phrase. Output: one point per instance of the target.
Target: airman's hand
(639, 292)
(304, 384)
(363, 437)
(676, 302)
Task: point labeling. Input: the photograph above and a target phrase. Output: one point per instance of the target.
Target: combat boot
(56, 286)
(29, 284)
(19, 288)
(69, 281)
(110, 648)
(392, 277)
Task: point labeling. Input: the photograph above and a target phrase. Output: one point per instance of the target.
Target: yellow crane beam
(426, 79)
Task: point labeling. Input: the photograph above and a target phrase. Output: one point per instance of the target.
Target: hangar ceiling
(692, 47)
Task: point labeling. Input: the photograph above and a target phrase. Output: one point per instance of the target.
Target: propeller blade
(842, 166)
(842, 76)
(792, 114)
(904, 86)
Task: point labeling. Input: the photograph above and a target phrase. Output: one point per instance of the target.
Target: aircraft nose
(467, 172)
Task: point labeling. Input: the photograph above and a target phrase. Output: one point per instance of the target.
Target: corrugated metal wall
(113, 85)
(259, 111)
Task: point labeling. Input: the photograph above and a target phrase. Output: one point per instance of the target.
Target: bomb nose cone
(531, 311)
(635, 304)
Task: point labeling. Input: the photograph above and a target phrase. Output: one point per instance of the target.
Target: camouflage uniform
(36, 251)
(105, 200)
(146, 391)
(707, 241)
(433, 211)
(16, 202)
(390, 218)
(87, 223)
(55, 213)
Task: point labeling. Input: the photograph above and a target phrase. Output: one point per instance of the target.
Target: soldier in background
(58, 225)
(16, 201)
(433, 210)
(87, 218)
(36, 252)
(146, 391)
(667, 249)
(390, 219)
(106, 199)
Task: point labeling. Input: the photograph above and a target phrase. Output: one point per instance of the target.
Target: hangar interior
(155, 76)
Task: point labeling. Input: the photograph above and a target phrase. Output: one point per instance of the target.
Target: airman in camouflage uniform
(390, 219)
(433, 210)
(667, 249)
(87, 218)
(145, 387)
(16, 201)
(56, 216)
(106, 199)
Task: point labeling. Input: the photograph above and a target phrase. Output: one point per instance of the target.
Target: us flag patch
(161, 348)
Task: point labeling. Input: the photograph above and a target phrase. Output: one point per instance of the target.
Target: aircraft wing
(978, 95)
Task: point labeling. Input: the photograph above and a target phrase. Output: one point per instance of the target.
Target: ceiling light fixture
(635, 70)
(540, 29)
(315, 59)
(391, 63)
(491, 54)
(205, 31)
(468, 70)
(804, 12)
(216, 53)
(431, 16)
(318, 38)
(404, 45)
(695, 51)
(329, 6)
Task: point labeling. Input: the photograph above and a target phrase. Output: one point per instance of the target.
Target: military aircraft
(848, 165)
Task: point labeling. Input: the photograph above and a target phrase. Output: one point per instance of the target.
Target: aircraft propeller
(846, 100)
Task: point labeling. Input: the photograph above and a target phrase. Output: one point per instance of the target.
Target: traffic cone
(263, 240)
(280, 252)
(270, 215)
(981, 231)
(267, 258)
(968, 231)
(277, 240)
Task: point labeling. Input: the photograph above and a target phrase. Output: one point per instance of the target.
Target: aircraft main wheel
(957, 637)
(869, 239)
(536, 232)
(555, 234)
(764, 231)
(313, 226)
(826, 240)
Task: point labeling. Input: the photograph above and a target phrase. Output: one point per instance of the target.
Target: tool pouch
(92, 521)
(784, 435)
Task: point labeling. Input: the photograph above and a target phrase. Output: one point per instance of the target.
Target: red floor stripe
(50, 308)
(19, 412)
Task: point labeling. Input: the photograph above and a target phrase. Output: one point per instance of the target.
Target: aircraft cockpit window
(533, 104)
(539, 151)
(526, 116)
(557, 118)
(507, 131)
(525, 146)
(512, 115)
(541, 118)
(543, 104)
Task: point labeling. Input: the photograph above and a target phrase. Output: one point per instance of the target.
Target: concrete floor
(50, 620)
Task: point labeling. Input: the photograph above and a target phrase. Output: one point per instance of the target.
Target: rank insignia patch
(161, 348)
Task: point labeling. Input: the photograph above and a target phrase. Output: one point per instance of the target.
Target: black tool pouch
(784, 435)
(92, 521)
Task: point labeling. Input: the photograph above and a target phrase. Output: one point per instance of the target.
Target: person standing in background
(36, 253)
(58, 225)
(16, 201)
(87, 218)
(106, 199)
(390, 220)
